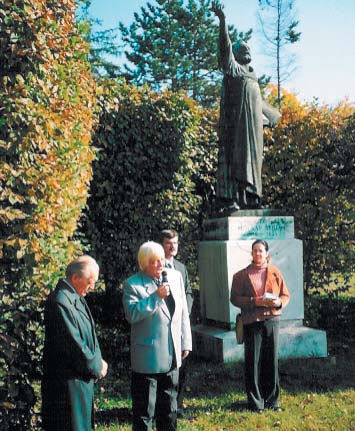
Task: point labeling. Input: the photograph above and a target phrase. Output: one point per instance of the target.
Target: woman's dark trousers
(261, 364)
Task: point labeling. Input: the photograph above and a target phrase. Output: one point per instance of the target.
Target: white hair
(148, 250)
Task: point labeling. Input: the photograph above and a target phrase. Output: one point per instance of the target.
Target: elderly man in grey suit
(160, 338)
(169, 239)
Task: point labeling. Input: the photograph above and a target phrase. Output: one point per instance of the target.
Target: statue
(243, 114)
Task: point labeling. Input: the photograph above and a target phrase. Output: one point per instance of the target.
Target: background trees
(175, 46)
(47, 98)
(279, 29)
(104, 48)
(157, 164)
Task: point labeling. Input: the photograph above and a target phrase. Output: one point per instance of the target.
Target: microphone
(164, 277)
(164, 280)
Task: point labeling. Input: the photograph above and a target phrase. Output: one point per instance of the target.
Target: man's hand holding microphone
(164, 289)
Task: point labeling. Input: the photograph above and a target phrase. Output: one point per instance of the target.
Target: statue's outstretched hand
(217, 8)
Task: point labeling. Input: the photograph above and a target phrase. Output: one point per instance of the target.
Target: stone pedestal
(226, 249)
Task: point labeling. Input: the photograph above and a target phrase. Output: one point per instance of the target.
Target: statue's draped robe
(240, 125)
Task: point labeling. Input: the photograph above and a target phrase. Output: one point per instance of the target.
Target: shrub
(334, 315)
(308, 171)
(151, 149)
(46, 98)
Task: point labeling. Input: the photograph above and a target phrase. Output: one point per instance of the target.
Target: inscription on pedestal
(236, 228)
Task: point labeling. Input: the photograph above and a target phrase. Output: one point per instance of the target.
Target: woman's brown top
(243, 295)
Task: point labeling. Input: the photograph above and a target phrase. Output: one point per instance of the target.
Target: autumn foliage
(309, 172)
(47, 98)
(155, 168)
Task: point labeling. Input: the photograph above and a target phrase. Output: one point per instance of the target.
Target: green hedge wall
(334, 315)
(157, 168)
(153, 171)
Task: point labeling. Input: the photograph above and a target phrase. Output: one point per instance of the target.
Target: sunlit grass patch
(317, 394)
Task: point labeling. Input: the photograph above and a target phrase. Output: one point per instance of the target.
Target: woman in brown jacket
(261, 293)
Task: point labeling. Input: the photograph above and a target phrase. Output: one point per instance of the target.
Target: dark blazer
(179, 266)
(71, 361)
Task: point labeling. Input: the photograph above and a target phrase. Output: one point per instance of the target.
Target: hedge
(47, 97)
(145, 177)
(332, 314)
(308, 171)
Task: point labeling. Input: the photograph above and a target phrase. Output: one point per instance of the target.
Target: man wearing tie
(160, 338)
(72, 358)
(170, 241)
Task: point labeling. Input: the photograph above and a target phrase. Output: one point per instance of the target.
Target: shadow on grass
(319, 375)
(223, 384)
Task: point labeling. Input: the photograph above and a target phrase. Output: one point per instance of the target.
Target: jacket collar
(151, 287)
(73, 296)
(148, 283)
(68, 289)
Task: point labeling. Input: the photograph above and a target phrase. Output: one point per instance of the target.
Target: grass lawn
(317, 395)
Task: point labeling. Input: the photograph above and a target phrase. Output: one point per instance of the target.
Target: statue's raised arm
(225, 51)
(217, 9)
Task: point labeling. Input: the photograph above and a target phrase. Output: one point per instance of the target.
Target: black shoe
(256, 410)
(277, 409)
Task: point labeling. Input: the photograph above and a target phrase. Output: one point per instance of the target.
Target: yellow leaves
(291, 108)
(13, 198)
(8, 169)
(49, 130)
(16, 243)
(20, 79)
(344, 109)
(51, 126)
(53, 184)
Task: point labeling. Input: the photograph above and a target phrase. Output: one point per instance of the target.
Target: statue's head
(241, 52)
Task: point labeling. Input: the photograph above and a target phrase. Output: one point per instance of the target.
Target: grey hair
(82, 266)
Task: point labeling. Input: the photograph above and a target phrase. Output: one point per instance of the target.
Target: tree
(175, 46)
(47, 99)
(104, 46)
(278, 28)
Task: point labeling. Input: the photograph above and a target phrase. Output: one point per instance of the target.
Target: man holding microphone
(160, 338)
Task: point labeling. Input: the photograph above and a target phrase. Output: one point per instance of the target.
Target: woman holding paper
(260, 292)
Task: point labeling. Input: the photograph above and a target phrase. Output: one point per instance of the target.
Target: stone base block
(295, 342)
